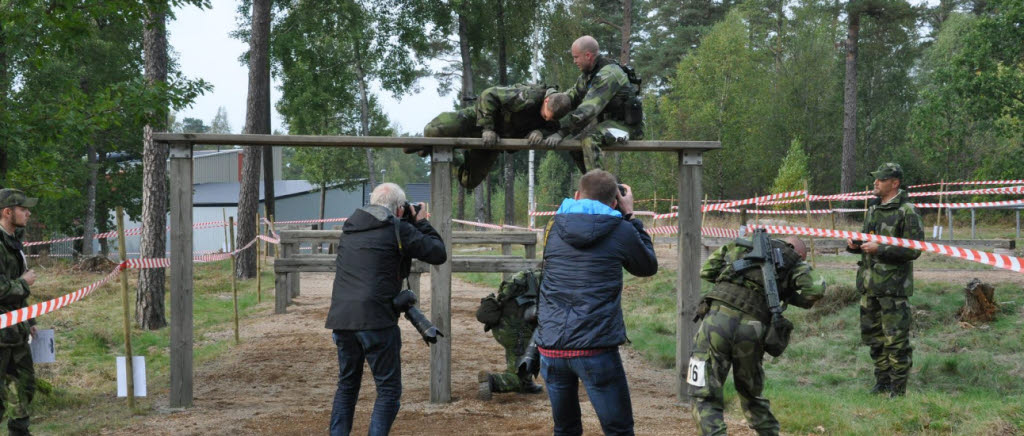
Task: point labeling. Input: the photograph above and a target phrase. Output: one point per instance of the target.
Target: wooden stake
(129, 371)
(234, 280)
(259, 255)
(703, 213)
(273, 229)
(224, 213)
(807, 203)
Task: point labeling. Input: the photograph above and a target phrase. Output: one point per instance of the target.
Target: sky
(201, 43)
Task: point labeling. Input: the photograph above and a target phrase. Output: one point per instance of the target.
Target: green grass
(89, 334)
(964, 381)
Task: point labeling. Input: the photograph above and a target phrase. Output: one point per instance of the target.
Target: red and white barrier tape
(325, 220)
(1003, 190)
(986, 182)
(494, 226)
(755, 200)
(970, 205)
(24, 314)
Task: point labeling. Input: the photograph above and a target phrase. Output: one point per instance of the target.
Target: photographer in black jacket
(376, 250)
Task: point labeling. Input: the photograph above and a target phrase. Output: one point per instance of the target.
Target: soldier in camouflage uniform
(15, 279)
(521, 111)
(512, 316)
(735, 322)
(885, 279)
(606, 102)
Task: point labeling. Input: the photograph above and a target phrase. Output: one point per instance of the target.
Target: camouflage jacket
(598, 95)
(14, 291)
(890, 272)
(513, 111)
(799, 285)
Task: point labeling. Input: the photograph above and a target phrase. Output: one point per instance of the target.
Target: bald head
(797, 244)
(584, 53)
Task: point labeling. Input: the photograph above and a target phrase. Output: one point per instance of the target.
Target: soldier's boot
(485, 387)
(882, 386)
(421, 151)
(527, 386)
(473, 170)
(898, 389)
(18, 427)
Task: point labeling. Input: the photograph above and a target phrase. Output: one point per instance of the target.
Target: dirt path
(281, 381)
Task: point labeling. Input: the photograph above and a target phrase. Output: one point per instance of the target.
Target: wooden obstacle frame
(689, 187)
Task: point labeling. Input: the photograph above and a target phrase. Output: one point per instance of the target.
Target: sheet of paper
(42, 347)
(139, 371)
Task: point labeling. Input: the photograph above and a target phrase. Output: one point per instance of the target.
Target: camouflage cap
(14, 197)
(888, 170)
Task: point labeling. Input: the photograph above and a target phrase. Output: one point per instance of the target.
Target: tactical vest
(515, 295)
(745, 290)
(627, 104)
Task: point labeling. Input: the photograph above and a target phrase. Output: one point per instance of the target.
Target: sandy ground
(281, 381)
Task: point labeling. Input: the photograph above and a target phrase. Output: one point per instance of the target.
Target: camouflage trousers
(462, 124)
(594, 137)
(16, 366)
(728, 338)
(514, 338)
(885, 328)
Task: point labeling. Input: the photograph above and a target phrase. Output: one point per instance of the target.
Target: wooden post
(180, 172)
(807, 203)
(259, 256)
(414, 284)
(506, 250)
(227, 243)
(866, 205)
(273, 229)
(1017, 220)
(949, 214)
(234, 278)
(441, 276)
(938, 212)
(972, 224)
(688, 274)
(129, 371)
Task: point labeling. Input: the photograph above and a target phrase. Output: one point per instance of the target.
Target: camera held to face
(411, 210)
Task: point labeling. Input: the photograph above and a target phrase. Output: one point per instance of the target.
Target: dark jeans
(382, 350)
(605, 382)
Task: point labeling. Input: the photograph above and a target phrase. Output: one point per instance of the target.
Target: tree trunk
(510, 190)
(848, 165)
(364, 118)
(149, 303)
(268, 176)
(257, 121)
(89, 225)
(502, 53)
(460, 211)
(467, 62)
(627, 29)
(487, 201)
(479, 204)
(979, 303)
(323, 205)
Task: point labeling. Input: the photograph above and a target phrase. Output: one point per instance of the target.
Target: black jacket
(370, 268)
(580, 305)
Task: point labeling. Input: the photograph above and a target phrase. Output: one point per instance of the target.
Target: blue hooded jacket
(580, 305)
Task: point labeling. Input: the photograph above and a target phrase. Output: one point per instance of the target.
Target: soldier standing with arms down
(735, 319)
(15, 280)
(521, 111)
(606, 102)
(885, 279)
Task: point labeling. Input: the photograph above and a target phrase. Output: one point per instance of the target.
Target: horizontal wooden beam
(323, 263)
(332, 236)
(416, 141)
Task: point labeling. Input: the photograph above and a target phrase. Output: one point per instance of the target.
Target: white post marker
(139, 376)
(42, 347)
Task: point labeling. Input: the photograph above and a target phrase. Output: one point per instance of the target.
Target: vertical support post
(234, 273)
(506, 250)
(531, 251)
(949, 214)
(972, 223)
(441, 276)
(688, 274)
(531, 204)
(180, 171)
(1018, 222)
(414, 284)
(807, 205)
(129, 371)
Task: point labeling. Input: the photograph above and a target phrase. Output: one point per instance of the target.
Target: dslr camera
(411, 210)
(405, 302)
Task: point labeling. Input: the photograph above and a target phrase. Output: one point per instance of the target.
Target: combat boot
(527, 386)
(485, 387)
(898, 390)
(882, 384)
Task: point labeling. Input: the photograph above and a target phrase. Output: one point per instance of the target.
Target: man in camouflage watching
(15, 280)
(606, 102)
(885, 279)
(521, 111)
(735, 320)
(512, 316)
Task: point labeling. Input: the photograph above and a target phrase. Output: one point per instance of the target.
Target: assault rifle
(769, 260)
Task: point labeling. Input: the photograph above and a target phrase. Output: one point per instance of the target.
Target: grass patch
(88, 336)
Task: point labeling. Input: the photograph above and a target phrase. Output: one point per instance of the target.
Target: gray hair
(388, 195)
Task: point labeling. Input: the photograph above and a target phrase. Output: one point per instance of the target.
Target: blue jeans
(382, 350)
(605, 381)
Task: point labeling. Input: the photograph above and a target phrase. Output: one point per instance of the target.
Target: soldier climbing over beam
(520, 111)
